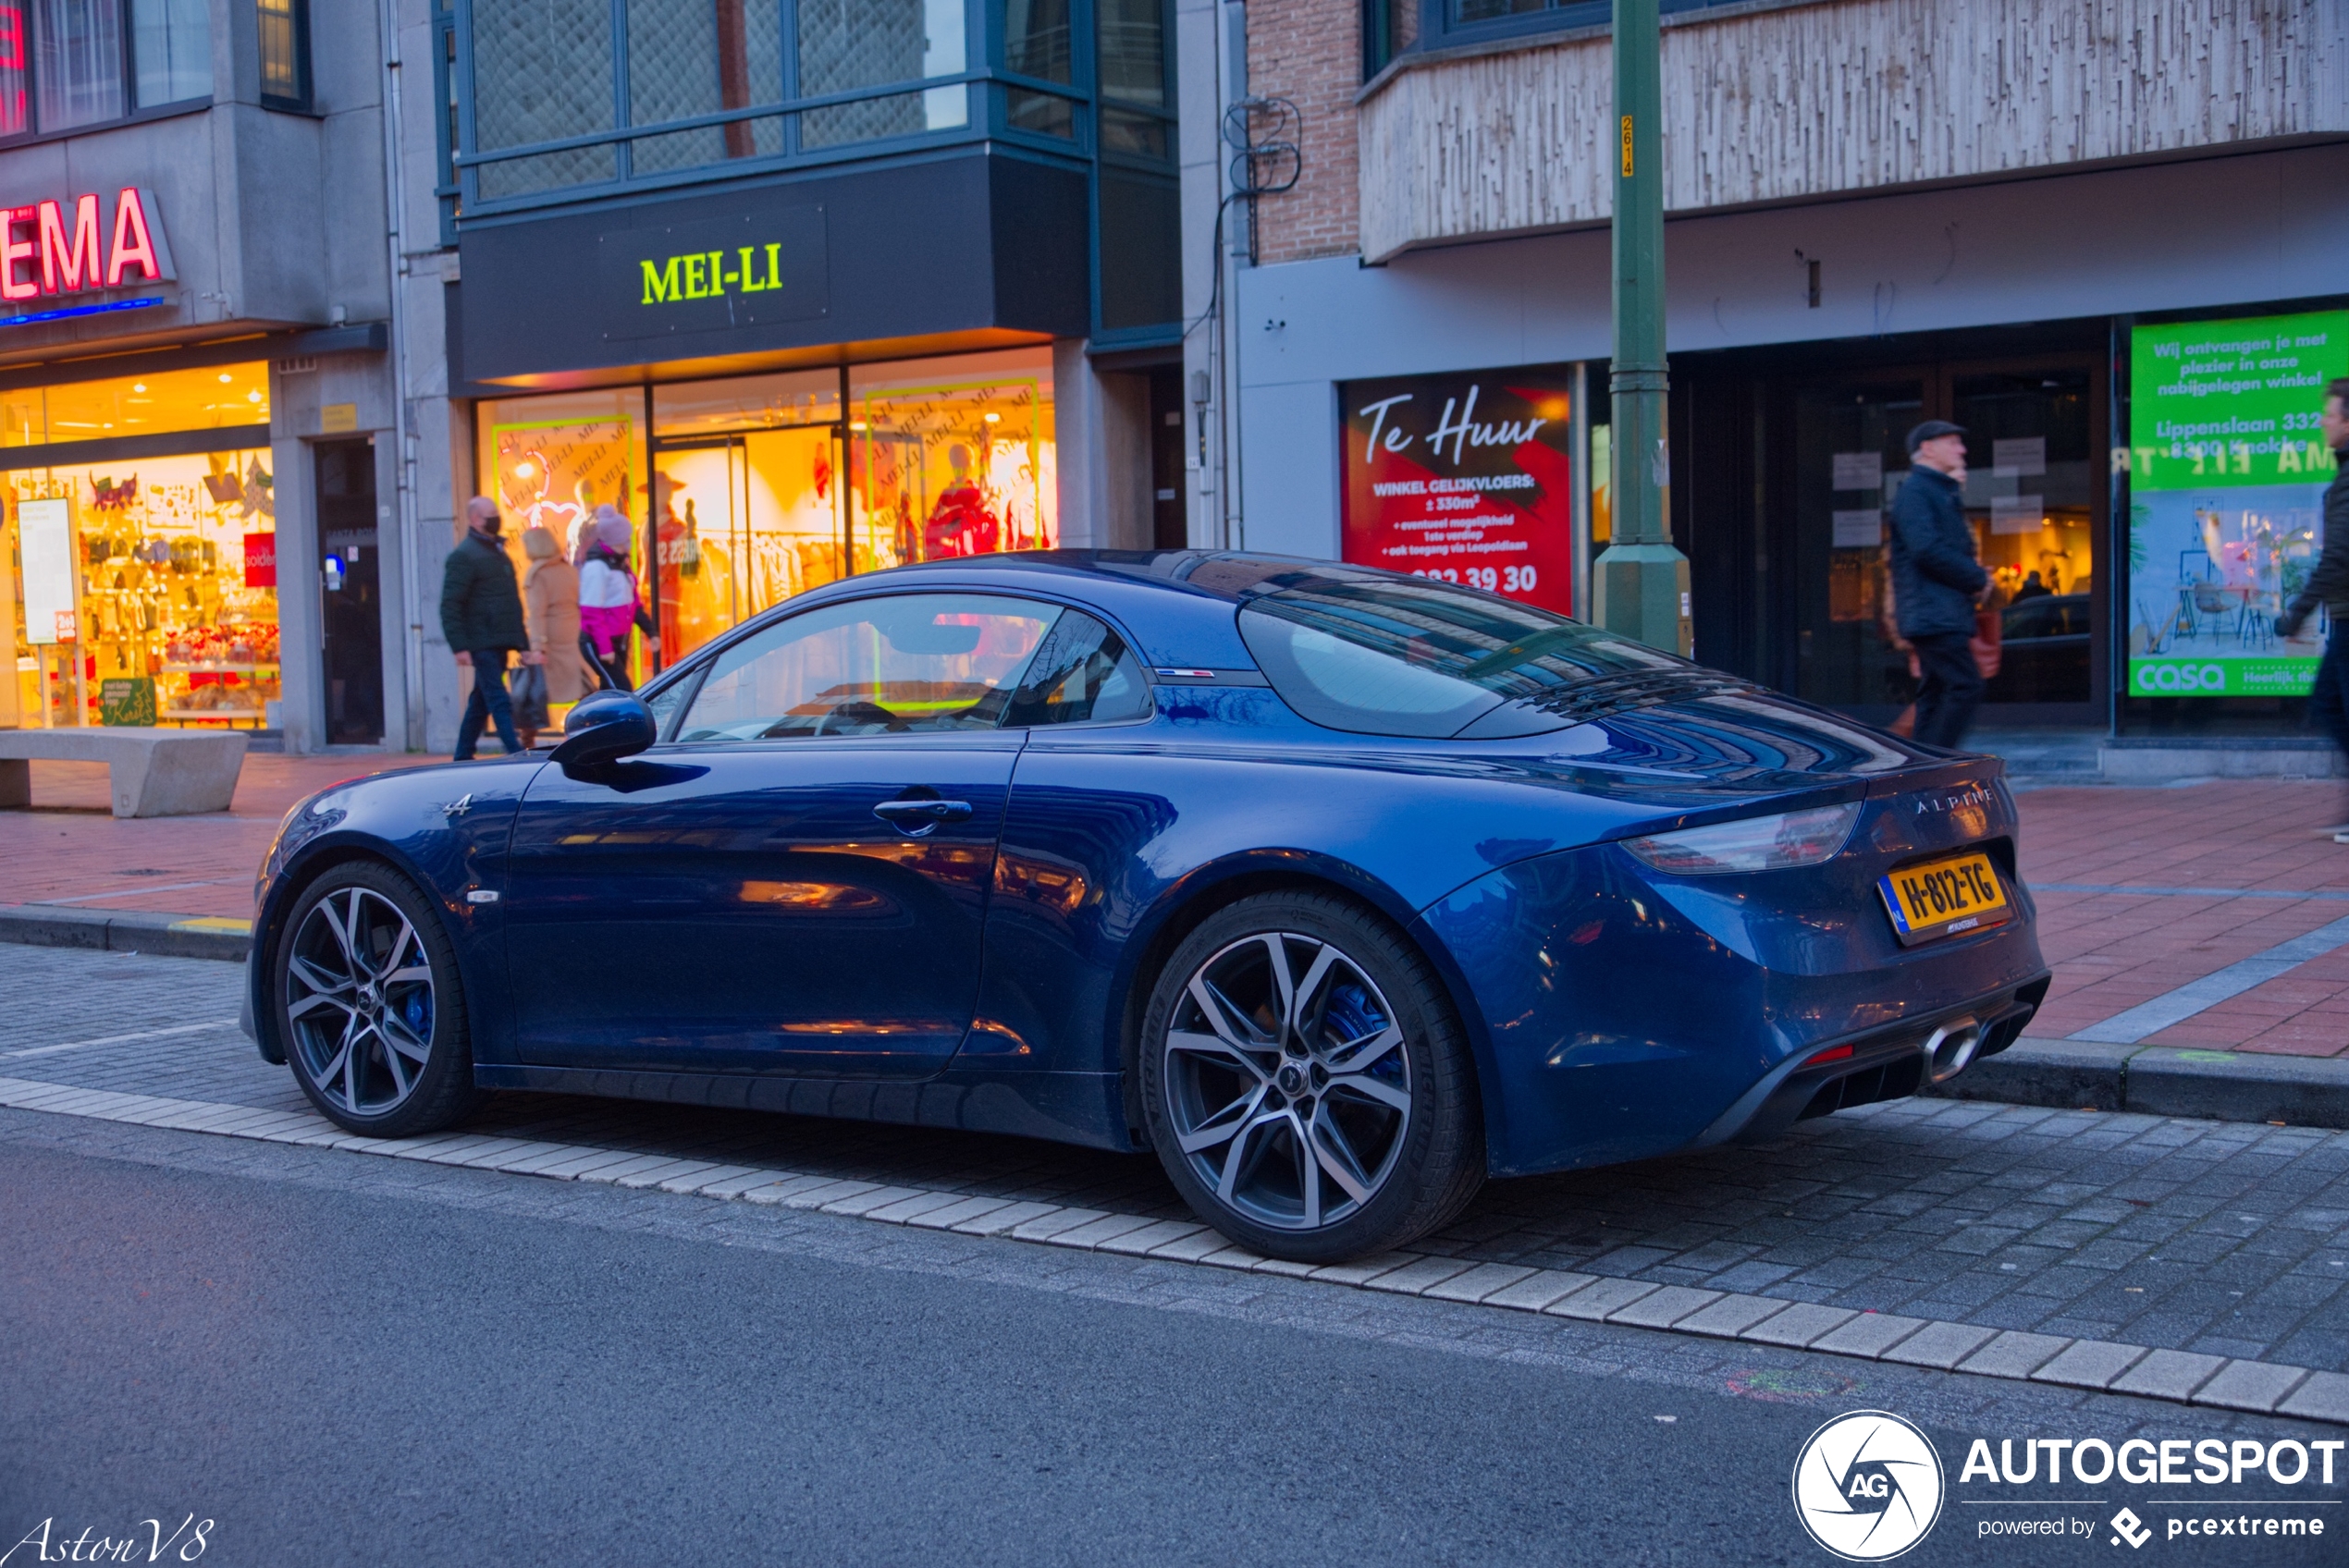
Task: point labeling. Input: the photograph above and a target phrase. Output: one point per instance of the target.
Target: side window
(1082, 673)
(905, 663)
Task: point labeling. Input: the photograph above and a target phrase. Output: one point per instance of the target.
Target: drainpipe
(403, 439)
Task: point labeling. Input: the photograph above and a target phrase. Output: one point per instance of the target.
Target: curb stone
(2161, 1081)
(121, 931)
(2262, 1388)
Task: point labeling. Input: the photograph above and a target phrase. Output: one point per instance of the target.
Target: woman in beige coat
(551, 607)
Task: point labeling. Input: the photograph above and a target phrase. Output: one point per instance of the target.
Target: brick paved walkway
(2112, 950)
(2218, 1238)
(70, 848)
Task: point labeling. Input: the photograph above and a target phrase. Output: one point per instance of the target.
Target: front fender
(446, 831)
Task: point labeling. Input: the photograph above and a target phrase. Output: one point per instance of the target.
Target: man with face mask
(481, 616)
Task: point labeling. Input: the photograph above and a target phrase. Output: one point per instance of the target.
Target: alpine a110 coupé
(1339, 889)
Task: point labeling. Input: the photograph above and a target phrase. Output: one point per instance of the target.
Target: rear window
(1380, 654)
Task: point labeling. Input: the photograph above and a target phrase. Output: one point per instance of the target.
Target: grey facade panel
(996, 242)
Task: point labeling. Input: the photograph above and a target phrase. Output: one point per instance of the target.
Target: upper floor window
(69, 63)
(1392, 28)
(285, 54)
(1138, 108)
(553, 96)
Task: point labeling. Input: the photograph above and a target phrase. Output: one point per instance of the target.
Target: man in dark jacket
(2329, 586)
(481, 616)
(1935, 579)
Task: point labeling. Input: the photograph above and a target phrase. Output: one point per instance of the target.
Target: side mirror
(603, 728)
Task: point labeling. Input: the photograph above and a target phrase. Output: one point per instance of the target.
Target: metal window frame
(982, 43)
(303, 101)
(134, 112)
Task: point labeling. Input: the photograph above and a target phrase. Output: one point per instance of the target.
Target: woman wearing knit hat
(609, 608)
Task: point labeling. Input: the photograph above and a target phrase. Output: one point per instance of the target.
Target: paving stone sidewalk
(2220, 1239)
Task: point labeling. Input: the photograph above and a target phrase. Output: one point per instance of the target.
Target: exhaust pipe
(1949, 1049)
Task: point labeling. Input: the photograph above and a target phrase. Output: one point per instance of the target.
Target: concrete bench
(152, 772)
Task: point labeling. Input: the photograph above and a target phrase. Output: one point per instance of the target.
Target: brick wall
(1310, 52)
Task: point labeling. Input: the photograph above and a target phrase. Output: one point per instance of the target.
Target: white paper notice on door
(1859, 470)
(2020, 458)
(2017, 514)
(45, 530)
(1860, 529)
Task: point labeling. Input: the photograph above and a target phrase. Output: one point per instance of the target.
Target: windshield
(1380, 654)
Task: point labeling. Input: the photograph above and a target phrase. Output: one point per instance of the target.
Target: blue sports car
(1338, 889)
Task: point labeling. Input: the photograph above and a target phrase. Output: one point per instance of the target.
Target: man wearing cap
(1935, 579)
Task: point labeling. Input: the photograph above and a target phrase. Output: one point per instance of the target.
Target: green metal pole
(1639, 583)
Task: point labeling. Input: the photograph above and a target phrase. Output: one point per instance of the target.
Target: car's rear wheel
(1306, 1083)
(369, 1005)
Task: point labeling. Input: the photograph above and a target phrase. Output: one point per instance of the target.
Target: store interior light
(226, 378)
(253, 395)
(994, 418)
(138, 387)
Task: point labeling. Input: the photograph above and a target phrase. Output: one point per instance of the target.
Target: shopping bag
(530, 697)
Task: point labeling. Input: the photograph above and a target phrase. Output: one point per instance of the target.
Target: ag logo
(1868, 1485)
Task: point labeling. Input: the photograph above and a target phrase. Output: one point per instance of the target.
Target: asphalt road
(420, 1366)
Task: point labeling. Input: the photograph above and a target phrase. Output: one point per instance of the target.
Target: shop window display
(170, 567)
(550, 462)
(952, 457)
(760, 489)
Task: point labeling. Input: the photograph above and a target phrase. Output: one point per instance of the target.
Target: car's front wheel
(1306, 1083)
(369, 1008)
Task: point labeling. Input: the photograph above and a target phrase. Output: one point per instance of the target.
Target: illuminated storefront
(747, 490)
(147, 588)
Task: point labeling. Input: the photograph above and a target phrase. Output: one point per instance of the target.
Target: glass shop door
(742, 522)
(1849, 457)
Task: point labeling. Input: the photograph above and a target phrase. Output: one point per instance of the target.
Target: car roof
(1178, 605)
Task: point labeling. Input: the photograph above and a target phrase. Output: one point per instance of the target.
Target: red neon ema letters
(45, 250)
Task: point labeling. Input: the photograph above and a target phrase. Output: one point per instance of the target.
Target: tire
(378, 1040)
(1328, 1030)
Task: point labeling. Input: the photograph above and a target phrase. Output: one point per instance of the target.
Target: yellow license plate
(1943, 898)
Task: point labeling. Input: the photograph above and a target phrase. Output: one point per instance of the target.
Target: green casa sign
(759, 268)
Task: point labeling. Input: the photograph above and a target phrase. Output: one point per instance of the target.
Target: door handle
(916, 817)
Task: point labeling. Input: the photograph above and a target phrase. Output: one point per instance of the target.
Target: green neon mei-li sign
(757, 268)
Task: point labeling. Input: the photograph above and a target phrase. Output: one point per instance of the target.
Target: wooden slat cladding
(1808, 101)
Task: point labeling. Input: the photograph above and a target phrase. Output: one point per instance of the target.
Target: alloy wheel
(359, 1001)
(1286, 1080)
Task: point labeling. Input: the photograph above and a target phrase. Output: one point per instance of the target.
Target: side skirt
(1065, 1107)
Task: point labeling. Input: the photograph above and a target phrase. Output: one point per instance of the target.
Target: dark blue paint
(732, 926)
